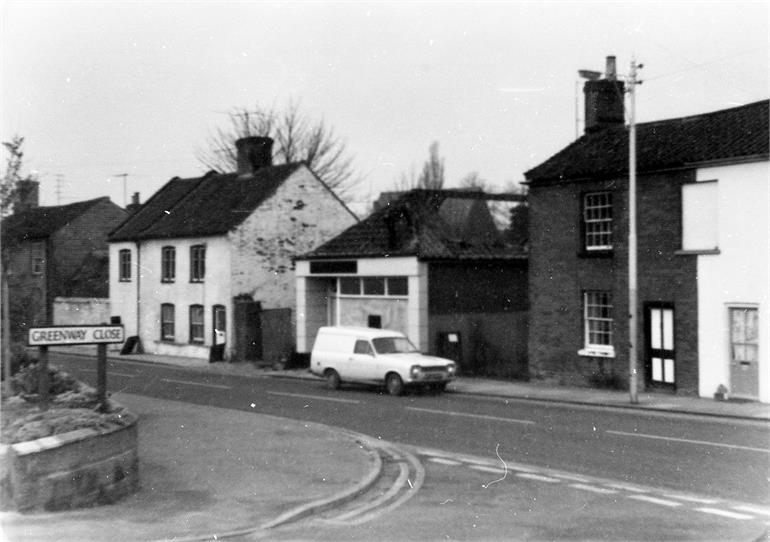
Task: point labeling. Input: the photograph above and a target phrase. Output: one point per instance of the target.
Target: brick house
(55, 251)
(578, 279)
(432, 264)
(204, 268)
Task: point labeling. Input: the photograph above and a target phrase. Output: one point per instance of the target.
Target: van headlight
(415, 371)
(451, 368)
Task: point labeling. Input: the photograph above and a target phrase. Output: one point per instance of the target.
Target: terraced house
(703, 198)
(204, 268)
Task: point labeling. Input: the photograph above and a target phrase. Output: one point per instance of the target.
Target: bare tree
(297, 138)
(9, 184)
(432, 174)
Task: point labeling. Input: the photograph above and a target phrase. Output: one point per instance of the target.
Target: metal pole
(6, 339)
(632, 250)
(101, 376)
(43, 382)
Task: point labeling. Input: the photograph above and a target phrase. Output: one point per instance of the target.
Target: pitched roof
(424, 223)
(739, 133)
(42, 222)
(209, 205)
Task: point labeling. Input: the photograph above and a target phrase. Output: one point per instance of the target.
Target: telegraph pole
(632, 250)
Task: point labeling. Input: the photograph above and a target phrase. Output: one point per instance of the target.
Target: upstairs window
(700, 216)
(124, 265)
(197, 263)
(597, 221)
(38, 259)
(167, 322)
(168, 264)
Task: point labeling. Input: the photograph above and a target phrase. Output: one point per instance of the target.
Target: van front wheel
(394, 384)
(332, 379)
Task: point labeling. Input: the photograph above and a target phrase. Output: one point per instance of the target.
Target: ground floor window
(597, 320)
(196, 324)
(167, 322)
(744, 334)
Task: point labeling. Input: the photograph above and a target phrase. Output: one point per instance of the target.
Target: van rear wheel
(332, 379)
(394, 384)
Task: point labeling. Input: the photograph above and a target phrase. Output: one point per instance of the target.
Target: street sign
(72, 335)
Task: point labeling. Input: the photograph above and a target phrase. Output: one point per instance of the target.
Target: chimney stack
(27, 195)
(134, 206)
(604, 100)
(254, 153)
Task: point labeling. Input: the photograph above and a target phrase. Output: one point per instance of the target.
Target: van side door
(363, 364)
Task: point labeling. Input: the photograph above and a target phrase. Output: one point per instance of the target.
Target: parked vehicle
(376, 356)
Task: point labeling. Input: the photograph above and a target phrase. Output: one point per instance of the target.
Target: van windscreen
(393, 345)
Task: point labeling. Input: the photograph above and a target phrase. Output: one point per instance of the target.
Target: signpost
(101, 336)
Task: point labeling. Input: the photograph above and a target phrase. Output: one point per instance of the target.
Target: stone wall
(73, 470)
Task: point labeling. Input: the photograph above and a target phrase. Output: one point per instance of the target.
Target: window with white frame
(167, 322)
(744, 334)
(196, 324)
(197, 263)
(597, 322)
(373, 286)
(124, 265)
(597, 221)
(168, 264)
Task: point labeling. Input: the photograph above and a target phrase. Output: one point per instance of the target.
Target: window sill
(704, 252)
(597, 353)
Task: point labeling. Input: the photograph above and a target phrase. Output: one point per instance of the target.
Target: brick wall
(80, 254)
(559, 274)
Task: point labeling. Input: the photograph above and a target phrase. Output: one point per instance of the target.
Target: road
(703, 473)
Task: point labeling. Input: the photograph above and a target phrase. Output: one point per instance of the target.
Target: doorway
(219, 333)
(744, 352)
(660, 351)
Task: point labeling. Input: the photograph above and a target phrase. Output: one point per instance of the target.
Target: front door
(219, 333)
(744, 352)
(660, 358)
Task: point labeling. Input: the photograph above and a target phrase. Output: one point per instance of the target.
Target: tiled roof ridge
(699, 116)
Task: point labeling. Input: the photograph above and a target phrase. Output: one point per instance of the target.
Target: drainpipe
(139, 348)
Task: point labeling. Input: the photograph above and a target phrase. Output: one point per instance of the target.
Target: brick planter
(78, 469)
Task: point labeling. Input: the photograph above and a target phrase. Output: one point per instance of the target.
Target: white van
(376, 356)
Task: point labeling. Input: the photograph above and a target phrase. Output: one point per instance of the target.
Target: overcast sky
(103, 88)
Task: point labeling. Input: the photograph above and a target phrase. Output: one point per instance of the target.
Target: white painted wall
(301, 215)
(415, 313)
(738, 274)
(123, 294)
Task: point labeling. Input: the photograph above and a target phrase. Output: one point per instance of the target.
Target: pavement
(209, 473)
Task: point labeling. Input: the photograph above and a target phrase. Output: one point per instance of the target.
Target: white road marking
(571, 477)
(109, 373)
(441, 461)
(654, 500)
(594, 489)
(463, 414)
(628, 487)
(482, 468)
(724, 513)
(187, 382)
(688, 498)
(753, 509)
(538, 477)
(689, 441)
(319, 397)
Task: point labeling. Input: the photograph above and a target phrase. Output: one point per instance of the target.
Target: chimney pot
(611, 70)
(254, 153)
